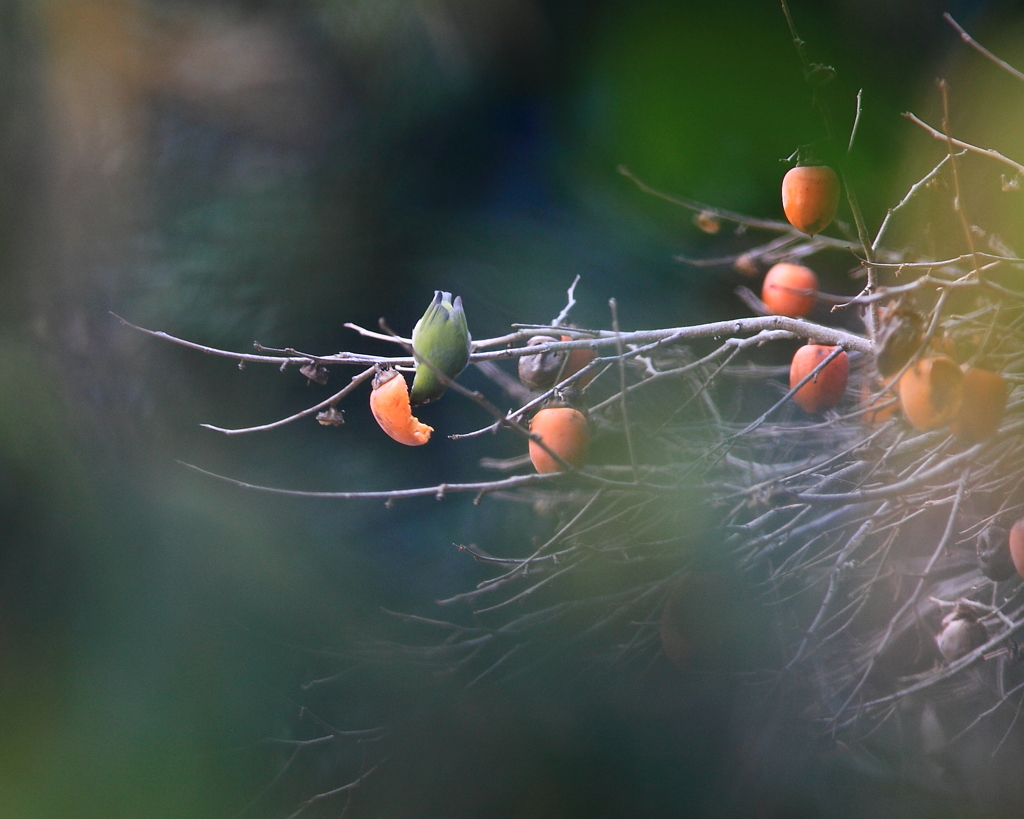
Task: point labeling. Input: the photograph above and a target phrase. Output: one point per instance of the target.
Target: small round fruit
(827, 387)
(746, 264)
(931, 392)
(707, 221)
(810, 197)
(566, 432)
(389, 403)
(790, 290)
(982, 412)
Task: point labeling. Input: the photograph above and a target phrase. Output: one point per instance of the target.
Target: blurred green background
(231, 171)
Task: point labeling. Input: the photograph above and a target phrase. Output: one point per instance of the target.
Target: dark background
(258, 170)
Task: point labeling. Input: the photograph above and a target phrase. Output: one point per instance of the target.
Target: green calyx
(441, 337)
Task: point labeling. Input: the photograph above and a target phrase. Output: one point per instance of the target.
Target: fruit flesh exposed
(981, 412)
(389, 403)
(931, 392)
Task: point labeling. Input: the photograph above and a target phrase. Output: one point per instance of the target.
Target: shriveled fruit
(746, 264)
(540, 371)
(707, 221)
(389, 403)
(982, 411)
(899, 336)
(810, 197)
(566, 432)
(993, 552)
(790, 290)
(962, 632)
(1017, 546)
(826, 388)
(931, 392)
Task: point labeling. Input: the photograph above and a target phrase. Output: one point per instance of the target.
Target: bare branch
(569, 304)
(365, 375)
(937, 134)
(967, 38)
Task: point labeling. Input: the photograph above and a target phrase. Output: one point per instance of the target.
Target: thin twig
(967, 38)
(958, 202)
(910, 194)
(937, 134)
(856, 121)
(733, 216)
(626, 426)
(569, 304)
(365, 375)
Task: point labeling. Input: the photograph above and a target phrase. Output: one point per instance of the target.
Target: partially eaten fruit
(389, 403)
(931, 392)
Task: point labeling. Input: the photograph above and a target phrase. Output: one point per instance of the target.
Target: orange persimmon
(981, 412)
(566, 432)
(790, 290)
(578, 359)
(810, 197)
(1017, 546)
(389, 403)
(931, 392)
(879, 404)
(827, 387)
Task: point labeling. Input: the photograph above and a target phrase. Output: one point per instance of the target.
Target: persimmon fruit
(789, 290)
(578, 359)
(566, 432)
(931, 392)
(389, 403)
(810, 197)
(981, 412)
(879, 404)
(1017, 546)
(827, 387)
